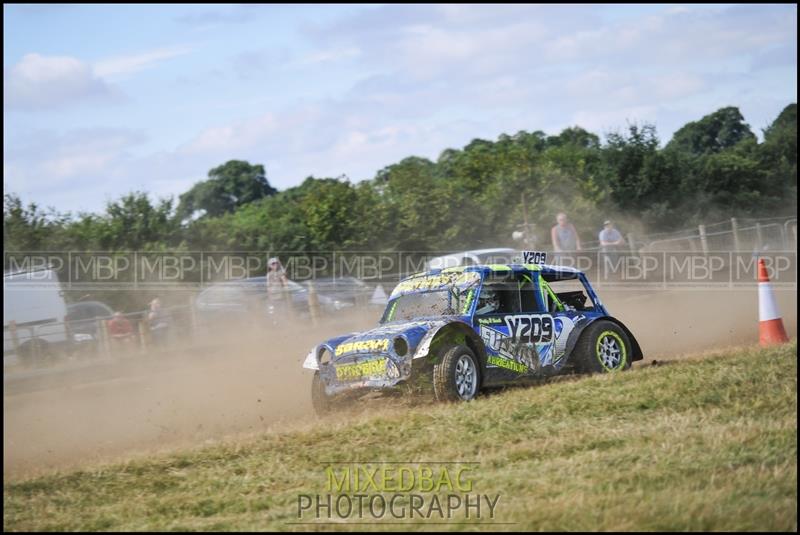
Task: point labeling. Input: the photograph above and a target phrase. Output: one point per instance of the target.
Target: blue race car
(462, 329)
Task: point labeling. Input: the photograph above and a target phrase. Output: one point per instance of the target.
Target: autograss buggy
(463, 329)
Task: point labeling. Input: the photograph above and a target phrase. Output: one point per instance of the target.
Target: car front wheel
(456, 377)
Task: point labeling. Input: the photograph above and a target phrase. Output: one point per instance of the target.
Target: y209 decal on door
(533, 329)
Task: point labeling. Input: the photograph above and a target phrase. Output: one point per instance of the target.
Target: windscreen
(444, 294)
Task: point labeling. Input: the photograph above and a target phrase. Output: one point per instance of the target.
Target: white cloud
(46, 82)
(122, 65)
(45, 162)
(232, 138)
(432, 77)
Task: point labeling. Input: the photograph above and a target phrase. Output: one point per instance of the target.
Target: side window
(527, 291)
(570, 294)
(498, 298)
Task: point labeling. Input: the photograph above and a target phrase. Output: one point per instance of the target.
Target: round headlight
(400, 346)
(324, 356)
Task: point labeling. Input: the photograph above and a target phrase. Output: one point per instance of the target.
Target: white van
(35, 302)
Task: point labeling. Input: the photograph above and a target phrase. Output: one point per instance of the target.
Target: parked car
(82, 316)
(471, 258)
(34, 314)
(249, 297)
(343, 290)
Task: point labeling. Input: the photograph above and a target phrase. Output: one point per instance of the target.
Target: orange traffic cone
(770, 324)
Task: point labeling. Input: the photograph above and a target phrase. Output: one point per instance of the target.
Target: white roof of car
(454, 259)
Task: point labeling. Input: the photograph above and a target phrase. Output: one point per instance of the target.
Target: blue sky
(101, 100)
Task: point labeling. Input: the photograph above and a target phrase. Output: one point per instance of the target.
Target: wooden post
(631, 243)
(735, 230)
(12, 327)
(313, 303)
(703, 239)
(192, 315)
(35, 344)
(759, 237)
(287, 295)
(103, 338)
(144, 334)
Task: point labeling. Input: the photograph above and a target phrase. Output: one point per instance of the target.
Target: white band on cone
(767, 308)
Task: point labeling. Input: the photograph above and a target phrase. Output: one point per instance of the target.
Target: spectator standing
(276, 277)
(611, 239)
(277, 288)
(564, 236)
(158, 320)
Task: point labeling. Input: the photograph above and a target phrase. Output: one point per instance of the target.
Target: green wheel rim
(611, 351)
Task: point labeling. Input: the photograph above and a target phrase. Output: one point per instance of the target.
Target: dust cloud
(249, 380)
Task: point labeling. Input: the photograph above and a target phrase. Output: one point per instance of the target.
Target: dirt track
(252, 382)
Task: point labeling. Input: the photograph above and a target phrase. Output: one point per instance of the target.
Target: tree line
(476, 196)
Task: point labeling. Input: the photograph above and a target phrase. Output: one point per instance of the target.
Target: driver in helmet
(488, 301)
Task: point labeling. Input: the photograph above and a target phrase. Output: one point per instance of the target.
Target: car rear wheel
(456, 377)
(603, 347)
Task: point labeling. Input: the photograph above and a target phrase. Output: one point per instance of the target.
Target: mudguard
(456, 328)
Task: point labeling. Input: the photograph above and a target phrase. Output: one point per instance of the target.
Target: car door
(505, 331)
(568, 299)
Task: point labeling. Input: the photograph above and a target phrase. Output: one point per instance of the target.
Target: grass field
(702, 444)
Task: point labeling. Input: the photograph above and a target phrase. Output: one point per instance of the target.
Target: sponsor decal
(522, 355)
(371, 368)
(489, 321)
(433, 282)
(507, 364)
(376, 345)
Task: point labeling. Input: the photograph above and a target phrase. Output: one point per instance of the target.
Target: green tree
(718, 131)
(229, 186)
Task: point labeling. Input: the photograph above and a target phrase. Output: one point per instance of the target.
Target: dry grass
(705, 444)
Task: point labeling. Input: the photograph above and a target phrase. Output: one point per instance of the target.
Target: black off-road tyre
(602, 348)
(457, 375)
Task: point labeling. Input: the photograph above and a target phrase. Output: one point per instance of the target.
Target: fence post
(192, 315)
(144, 333)
(735, 230)
(35, 343)
(289, 301)
(103, 338)
(12, 326)
(759, 237)
(313, 303)
(703, 239)
(632, 243)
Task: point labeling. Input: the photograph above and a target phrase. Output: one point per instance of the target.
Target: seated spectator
(120, 328)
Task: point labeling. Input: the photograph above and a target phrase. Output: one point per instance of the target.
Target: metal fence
(178, 326)
(736, 235)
